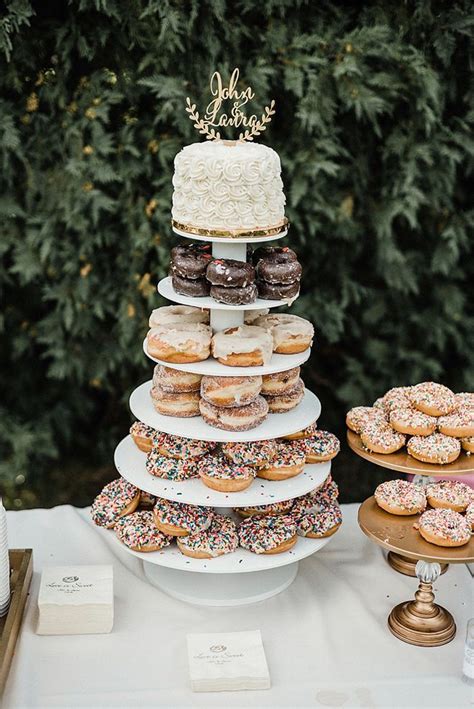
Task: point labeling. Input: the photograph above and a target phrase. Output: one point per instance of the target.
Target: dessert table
(326, 637)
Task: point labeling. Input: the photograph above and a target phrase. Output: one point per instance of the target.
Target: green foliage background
(374, 127)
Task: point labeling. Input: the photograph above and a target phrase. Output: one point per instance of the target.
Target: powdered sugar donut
(183, 405)
(281, 403)
(234, 418)
(175, 380)
(218, 539)
(116, 499)
(321, 446)
(359, 416)
(169, 314)
(290, 333)
(465, 400)
(230, 391)
(468, 444)
(317, 525)
(268, 534)
(437, 448)
(399, 497)
(258, 454)
(287, 463)
(160, 466)
(470, 515)
(379, 437)
(444, 528)
(412, 422)
(432, 398)
(274, 508)
(139, 532)
(243, 346)
(180, 342)
(305, 433)
(179, 520)
(219, 473)
(459, 424)
(143, 435)
(396, 398)
(280, 382)
(182, 448)
(450, 494)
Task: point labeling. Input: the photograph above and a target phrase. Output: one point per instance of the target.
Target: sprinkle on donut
(175, 469)
(470, 515)
(254, 453)
(359, 416)
(465, 400)
(444, 528)
(396, 398)
(117, 498)
(274, 508)
(218, 539)
(320, 524)
(459, 424)
(322, 446)
(450, 494)
(436, 448)
(381, 438)
(412, 422)
(219, 466)
(190, 518)
(139, 532)
(432, 398)
(400, 497)
(183, 448)
(262, 535)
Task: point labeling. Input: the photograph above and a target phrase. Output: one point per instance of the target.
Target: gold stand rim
(273, 230)
(406, 566)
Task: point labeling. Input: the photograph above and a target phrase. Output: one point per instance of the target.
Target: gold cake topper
(214, 119)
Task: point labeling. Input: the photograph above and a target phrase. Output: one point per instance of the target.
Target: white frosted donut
(470, 515)
(444, 528)
(274, 508)
(235, 418)
(321, 446)
(179, 519)
(252, 315)
(183, 405)
(182, 448)
(180, 342)
(139, 532)
(243, 346)
(396, 398)
(412, 422)
(450, 494)
(359, 416)
(268, 534)
(437, 448)
(219, 473)
(465, 400)
(287, 463)
(178, 314)
(218, 539)
(290, 333)
(143, 435)
(255, 453)
(379, 437)
(175, 380)
(117, 498)
(432, 398)
(319, 524)
(230, 391)
(459, 424)
(399, 497)
(468, 444)
(280, 382)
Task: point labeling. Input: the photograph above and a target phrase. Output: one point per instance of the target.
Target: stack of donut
(232, 403)
(278, 273)
(433, 422)
(174, 392)
(232, 282)
(188, 267)
(450, 520)
(179, 334)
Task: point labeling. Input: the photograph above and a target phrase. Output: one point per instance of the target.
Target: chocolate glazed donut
(230, 273)
(270, 253)
(194, 287)
(278, 291)
(235, 296)
(278, 269)
(190, 260)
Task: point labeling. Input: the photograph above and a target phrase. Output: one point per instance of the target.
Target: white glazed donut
(169, 314)
(180, 342)
(243, 346)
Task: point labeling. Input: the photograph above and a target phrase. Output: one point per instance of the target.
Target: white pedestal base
(221, 589)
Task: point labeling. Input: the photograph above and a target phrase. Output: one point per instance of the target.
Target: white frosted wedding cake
(228, 185)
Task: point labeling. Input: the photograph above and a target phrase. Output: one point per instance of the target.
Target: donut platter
(130, 463)
(274, 426)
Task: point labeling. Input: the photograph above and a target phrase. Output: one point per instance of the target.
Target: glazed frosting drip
(220, 467)
(109, 504)
(217, 186)
(242, 339)
(284, 326)
(142, 430)
(138, 531)
(219, 538)
(183, 448)
(446, 524)
(263, 533)
(322, 443)
(178, 313)
(433, 394)
(273, 508)
(359, 416)
(161, 466)
(251, 453)
(437, 446)
(319, 522)
(192, 518)
(451, 492)
(400, 493)
(187, 337)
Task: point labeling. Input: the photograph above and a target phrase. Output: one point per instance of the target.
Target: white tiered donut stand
(241, 577)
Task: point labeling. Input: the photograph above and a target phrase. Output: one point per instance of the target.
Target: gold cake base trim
(232, 233)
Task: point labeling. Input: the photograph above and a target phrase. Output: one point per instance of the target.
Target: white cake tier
(167, 291)
(130, 463)
(211, 367)
(274, 426)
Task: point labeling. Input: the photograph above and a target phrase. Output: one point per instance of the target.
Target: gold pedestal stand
(419, 622)
(406, 566)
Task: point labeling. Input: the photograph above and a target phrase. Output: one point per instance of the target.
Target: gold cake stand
(419, 622)
(404, 463)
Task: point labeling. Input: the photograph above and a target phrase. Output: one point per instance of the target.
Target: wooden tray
(21, 565)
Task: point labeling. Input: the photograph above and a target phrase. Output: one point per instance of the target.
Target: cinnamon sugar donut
(290, 333)
(432, 398)
(142, 435)
(182, 448)
(219, 473)
(280, 382)
(230, 391)
(450, 494)
(359, 416)
(412, 422)
(281, 403)
(139, 532)
(175, 380)
(379, 437)
(444, 528)
(179, 520)
(437, 448)
(234, 418)
(468, 444)
(218, 539)
(116, 499)
(287, 463)
(258, 454)
(305, 433)
(182, 405)
(459, 424)
(399, 497)
(470, 515)
(274, 508)
(180, 342)
(321, 446)
(177, 469)
(464, 400)
(317, 525)
(267, 534)
(169, 314)
(243, 346)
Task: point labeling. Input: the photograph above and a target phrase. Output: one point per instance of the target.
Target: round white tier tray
(274, 426)
(211, 367)
(130, 463)
(167, 291)
(228, 240)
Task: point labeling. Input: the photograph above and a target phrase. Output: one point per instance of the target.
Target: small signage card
(220, 662)
(76, 600)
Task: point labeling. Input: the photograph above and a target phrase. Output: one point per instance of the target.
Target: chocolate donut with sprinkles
(223, 475)
(139, 532)
(118, 498)
(450, 494)
(179, 519)
(218, 539)
(445, 528)
(270, 534)
(400, 497)
(317, 525)
(160, 466)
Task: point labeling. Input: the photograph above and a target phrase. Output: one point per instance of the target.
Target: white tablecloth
(326, 637)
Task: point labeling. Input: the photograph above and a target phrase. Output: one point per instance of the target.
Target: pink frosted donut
(399, 497)
(470, 515)
(432, 398)
(437, 448)
(412, 422)
(183, 448)
(268, 534)
(359, 416)
(444, 528)
(139, 532)
(317, 525)
(321, 446)
(459, 424)
(255, 453)
(117, 498)
(218, 539)
(274, 508)
(450, 494)
(179, 519)
(381, 438)
(160, 466)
